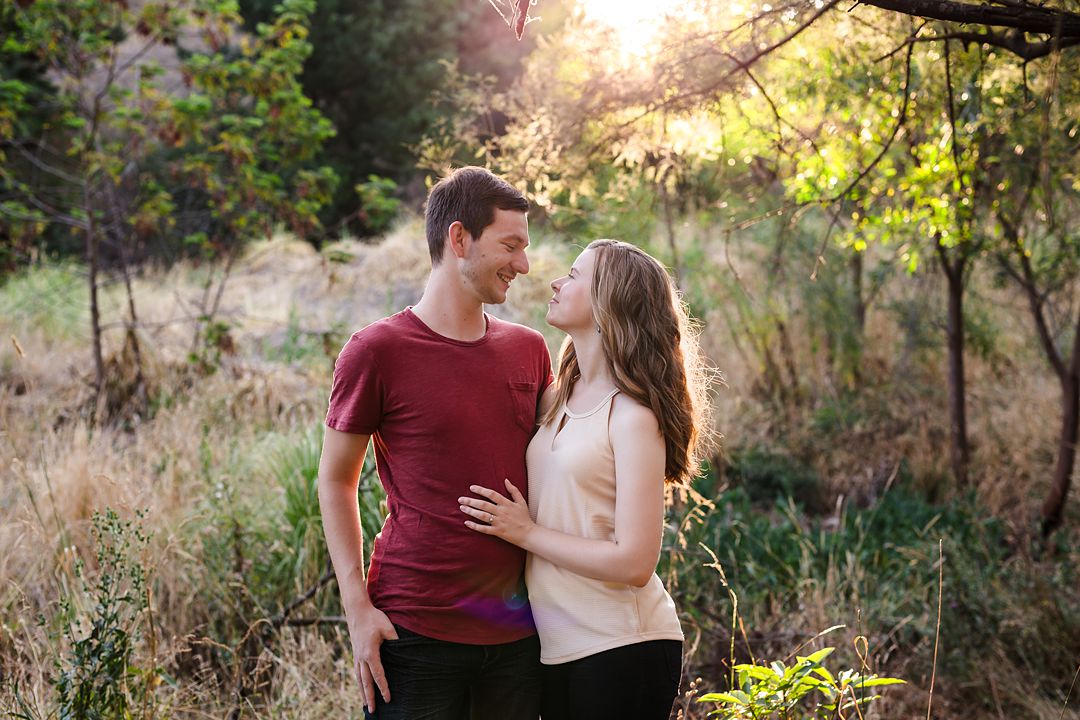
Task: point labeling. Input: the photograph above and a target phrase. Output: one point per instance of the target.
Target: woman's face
(570, 307)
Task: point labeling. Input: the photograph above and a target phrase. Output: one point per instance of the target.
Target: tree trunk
(959, 451)
(859, 303)
(1054, 506)
(788, 352)
(132, 339)
(1068, 377)
(669, 225)
(95, 313)
(859, 310)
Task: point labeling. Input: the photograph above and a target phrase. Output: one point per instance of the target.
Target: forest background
(872, 209)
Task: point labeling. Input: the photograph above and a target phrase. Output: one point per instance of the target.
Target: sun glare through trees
(635, 23)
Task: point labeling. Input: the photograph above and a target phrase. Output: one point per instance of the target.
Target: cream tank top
(572, 490)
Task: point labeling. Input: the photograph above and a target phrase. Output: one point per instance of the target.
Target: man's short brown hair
(469, 195)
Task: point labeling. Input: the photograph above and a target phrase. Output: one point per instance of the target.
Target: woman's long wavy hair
(652, 352)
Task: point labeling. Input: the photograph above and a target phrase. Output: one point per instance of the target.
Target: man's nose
(520, 263)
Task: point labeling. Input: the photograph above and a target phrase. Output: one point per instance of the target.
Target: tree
(372, 71)
(117, 152)
(1035, 172)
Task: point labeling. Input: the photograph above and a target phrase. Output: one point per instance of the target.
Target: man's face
(494, 259)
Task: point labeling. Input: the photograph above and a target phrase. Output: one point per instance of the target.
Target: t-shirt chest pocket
(523, 402)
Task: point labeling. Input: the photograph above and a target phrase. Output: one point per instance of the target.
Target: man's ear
(456, 235)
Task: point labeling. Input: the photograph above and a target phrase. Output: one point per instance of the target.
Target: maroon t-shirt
(444, 414)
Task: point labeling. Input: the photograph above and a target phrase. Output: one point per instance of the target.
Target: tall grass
(824, 512)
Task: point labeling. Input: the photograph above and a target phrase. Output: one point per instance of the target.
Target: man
(441, 628)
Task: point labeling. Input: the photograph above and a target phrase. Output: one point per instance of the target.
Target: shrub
(767, 476)
(97, 676)
(780, 691)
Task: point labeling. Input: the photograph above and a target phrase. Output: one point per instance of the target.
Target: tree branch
(1017, 16)
(895, 131)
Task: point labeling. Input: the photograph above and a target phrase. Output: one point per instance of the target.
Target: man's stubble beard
(484, 291)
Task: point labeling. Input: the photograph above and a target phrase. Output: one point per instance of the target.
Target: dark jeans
(438, 680)
(637, 681)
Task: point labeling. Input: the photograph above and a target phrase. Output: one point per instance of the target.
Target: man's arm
(339, 475)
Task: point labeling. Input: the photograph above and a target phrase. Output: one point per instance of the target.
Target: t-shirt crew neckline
(442, 338)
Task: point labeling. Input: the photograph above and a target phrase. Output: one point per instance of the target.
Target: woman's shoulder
(629, 416)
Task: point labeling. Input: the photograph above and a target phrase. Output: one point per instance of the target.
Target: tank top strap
(610, 396)
(591, 411)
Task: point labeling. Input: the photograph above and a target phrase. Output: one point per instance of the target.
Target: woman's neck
(592, 361)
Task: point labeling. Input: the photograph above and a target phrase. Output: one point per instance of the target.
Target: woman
(624, 416)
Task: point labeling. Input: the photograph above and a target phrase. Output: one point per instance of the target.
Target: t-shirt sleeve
(356, 399)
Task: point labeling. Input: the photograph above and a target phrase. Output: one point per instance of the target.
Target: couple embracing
(514, 576)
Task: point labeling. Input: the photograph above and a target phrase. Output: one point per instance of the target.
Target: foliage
(120, 160)
(49, 298)
(778, 691)
(216, 342)
(878, 563)
(267, 547)
(768, 556)
(372, 71)
(97, 677)
(294, 465)
(378, 205)
(245, 133)
(768, 476)
(231, 151)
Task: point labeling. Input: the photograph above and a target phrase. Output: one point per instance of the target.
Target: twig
(283, 617)
(823, 633)
(937, 628)
(308, 622)
(895, 131)
(1069, 694)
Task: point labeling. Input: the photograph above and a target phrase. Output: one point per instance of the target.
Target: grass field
(827, 510)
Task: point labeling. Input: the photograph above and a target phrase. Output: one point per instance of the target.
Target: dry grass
(208, 433)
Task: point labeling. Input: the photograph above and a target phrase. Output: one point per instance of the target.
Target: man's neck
(449, 311)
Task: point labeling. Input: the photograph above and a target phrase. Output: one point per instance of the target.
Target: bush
(785, 692)
(48, 298)
(768, 476)
(97, 676)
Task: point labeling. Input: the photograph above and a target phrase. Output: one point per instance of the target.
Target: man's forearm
(344, 540)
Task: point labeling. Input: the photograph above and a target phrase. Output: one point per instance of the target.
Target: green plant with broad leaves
(805, 689)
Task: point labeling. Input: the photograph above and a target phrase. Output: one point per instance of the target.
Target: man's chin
(495, 298)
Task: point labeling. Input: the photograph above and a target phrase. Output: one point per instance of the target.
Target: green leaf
(759, 673)
(721, 698)
(818, 656)
(876, 682)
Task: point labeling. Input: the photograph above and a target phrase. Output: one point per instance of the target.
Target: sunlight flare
(635, 23)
